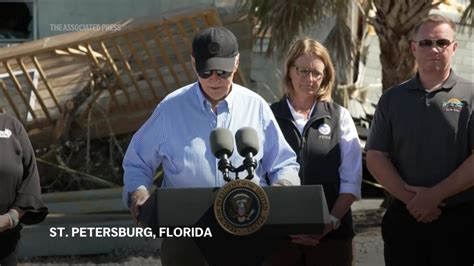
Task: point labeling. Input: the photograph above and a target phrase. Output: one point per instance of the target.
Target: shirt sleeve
(28, 196)
(279, 160)
(143, 157)
(350, 170)
(380, 133)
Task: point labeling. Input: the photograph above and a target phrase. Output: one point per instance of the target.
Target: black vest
(318, 152)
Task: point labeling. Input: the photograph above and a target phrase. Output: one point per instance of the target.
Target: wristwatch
(336, 222)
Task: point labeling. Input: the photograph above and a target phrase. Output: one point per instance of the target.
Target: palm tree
(284, 20)
(394, 21)
(467, 18)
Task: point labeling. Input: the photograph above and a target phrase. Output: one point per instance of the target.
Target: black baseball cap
(215, 48)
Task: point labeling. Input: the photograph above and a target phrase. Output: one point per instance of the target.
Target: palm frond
(285, 19)
(342, 45)
(467, 17)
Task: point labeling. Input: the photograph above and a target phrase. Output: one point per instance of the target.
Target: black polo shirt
(427, 134)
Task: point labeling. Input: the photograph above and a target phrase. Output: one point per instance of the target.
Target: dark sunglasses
(220, 73)
(441, 43)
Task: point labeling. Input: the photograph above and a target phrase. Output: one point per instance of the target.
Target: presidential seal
(241, 207)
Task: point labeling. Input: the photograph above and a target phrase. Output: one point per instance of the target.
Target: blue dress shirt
(177, 136)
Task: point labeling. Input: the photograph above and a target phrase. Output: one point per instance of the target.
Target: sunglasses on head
(441, 43)
(220, 73)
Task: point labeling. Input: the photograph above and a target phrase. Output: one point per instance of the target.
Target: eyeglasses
(441, 43)
(220, 73)
(303, 72)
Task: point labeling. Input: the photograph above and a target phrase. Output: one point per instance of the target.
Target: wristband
(13, 216)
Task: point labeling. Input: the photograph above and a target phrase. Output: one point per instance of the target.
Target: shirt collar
(296, 114)
(204, 103)
(415, 83)
(451, 81)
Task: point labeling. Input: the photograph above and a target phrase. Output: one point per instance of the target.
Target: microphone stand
(225, 166)
(250, 165)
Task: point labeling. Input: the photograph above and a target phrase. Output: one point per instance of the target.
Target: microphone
(247, 145)
(222, 146)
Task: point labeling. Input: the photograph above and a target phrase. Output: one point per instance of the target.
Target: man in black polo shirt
(420, 148)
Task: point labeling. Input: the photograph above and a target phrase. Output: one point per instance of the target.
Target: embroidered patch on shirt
(453, 105)
(5, 134)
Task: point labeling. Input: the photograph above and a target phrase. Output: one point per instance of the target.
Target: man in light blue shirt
(177, 134)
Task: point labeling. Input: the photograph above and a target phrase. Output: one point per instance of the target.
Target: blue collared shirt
(177, 136)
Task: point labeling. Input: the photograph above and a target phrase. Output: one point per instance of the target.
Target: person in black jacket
(20, 190)
(325, 139)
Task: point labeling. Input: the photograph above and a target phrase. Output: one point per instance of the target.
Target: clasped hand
(311, 240)
(4, 223)
(424, 206)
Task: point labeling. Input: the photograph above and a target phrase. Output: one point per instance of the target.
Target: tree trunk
(394, 23)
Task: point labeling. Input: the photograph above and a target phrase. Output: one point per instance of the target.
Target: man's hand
(424, 207)
(432, 216)
(306, 240)
(5, 222)
(282, 183)
(138, 197)
(311, 240)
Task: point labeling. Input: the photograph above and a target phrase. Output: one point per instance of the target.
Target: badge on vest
(324, 130)
(5, 134)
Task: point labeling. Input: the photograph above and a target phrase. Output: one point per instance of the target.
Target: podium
(292, 210)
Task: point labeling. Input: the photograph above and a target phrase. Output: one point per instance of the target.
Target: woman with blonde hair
(325, 139)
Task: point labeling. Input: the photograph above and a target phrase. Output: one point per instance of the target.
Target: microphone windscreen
(222, 142)
(246, 139)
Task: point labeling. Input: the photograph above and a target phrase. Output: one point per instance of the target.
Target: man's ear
(193, 62)
(413, 46)
(237, 61)
(455, 46)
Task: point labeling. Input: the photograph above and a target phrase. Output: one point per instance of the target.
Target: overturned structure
(98, 83)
